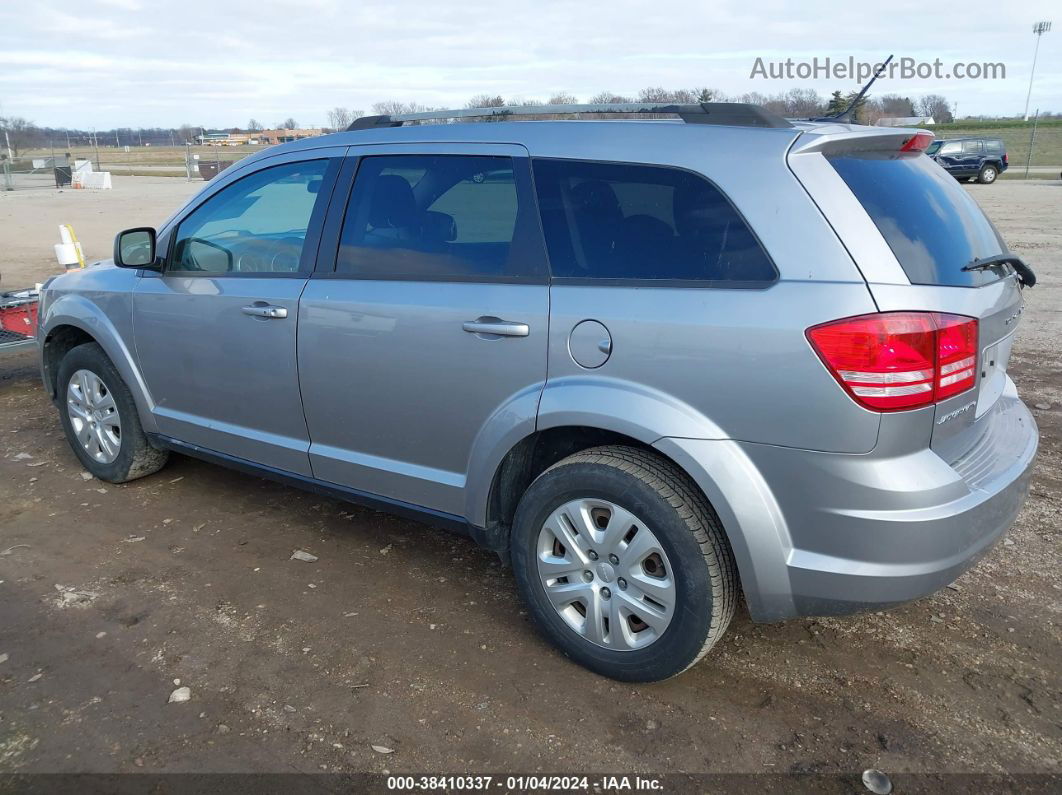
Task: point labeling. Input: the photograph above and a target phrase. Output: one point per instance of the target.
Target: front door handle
(501, 328)
(265, 310)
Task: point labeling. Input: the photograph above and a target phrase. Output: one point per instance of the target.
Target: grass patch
(1047, 148)
(115, 159)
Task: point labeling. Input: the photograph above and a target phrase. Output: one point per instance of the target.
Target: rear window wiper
(1024, 272)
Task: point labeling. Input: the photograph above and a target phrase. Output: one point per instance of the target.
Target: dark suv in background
(982, 159)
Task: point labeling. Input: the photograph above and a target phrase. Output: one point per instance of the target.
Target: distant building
(213, 136)
(254, 138)
(270, 137)
(904, 121)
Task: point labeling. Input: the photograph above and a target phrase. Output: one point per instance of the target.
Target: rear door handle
(265, 310)
(501, 328)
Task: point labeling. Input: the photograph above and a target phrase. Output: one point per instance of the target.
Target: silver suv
(652, 362)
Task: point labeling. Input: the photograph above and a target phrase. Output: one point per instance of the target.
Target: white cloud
(127, 63)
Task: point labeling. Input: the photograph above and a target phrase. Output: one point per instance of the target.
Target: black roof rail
(734, 114)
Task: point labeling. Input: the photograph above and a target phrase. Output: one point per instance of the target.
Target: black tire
(988, 174)
(136, 457)
(665, 499)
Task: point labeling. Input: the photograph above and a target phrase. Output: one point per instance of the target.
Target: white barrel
(67, 254)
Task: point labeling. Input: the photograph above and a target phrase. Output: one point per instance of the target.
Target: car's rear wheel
(623, 563)
(987, 175)
(100, 419)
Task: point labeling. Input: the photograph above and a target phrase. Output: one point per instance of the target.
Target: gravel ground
(413, 640)
(29, 221)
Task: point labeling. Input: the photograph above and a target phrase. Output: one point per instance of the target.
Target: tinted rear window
(931, 224)
(439, 217)
(637, 222)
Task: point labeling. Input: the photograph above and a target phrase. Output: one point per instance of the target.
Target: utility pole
(1040, 28)
(1032, 141)
(96, 146)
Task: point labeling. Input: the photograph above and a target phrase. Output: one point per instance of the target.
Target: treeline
(19, 134)
(795, 104)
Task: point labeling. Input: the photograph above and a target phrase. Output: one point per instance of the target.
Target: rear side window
(931, 224)
(971, 147)
(994, 147)
(432, 217)
(636, 222)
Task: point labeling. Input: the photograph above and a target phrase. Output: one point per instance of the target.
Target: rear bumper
(827, 534)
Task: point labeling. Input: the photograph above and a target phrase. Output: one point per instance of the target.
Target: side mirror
(135, 248)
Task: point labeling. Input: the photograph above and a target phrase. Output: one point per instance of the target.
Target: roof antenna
(846, 114)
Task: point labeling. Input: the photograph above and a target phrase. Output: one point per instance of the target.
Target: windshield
(933, 226)
(934, 147)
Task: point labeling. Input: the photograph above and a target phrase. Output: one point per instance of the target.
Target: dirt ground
(29, 221)
(414, 640)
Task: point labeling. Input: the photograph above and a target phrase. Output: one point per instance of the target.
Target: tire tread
(145, 459)
(679, 491)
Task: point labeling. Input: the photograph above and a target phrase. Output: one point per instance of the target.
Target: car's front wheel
(623, 563)
(988, 175)
(99, 417)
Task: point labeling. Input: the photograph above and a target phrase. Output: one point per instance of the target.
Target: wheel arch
(55, 345)
(744, 505)
(526, 460)
(73, 320)
(595, 409)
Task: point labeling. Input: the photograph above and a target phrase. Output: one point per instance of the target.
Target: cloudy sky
(145, 63)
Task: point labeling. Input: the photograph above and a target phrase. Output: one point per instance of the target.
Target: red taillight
(956, 354)
(899, 360)
(1006, 160)
(917, 142)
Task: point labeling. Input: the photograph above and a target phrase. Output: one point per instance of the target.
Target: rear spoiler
(838, 139)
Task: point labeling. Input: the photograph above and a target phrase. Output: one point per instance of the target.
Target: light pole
(1040, 28)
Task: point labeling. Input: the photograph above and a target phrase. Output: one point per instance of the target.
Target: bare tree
(803, 103)
(20, 133)
(290, 124)
(608, 98)
(393, 107)
(659, 94)
(775, 102)
(936, 106)
(563, 98)
(340, 118)
(186, 134)
(896, 106)
(873, 111)
(486, 101)
(253, 125)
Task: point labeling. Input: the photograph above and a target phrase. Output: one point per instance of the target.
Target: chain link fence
(27, 173)
(37, 169)
(1034, 151)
